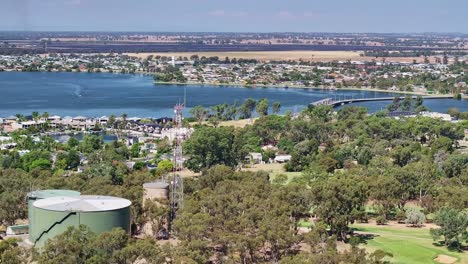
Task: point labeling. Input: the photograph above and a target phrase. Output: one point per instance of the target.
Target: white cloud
(74, 2)
(217, 13)
(309, 14)
(239, 14)
(285, 14)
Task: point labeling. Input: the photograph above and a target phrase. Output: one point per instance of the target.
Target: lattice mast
(177, 186)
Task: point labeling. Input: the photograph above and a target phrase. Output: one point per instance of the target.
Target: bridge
(342, 100)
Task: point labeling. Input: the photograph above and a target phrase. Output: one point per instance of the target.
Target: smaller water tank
(155, 190)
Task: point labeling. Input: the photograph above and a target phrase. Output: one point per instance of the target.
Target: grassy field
(408, 245)
(274, 169)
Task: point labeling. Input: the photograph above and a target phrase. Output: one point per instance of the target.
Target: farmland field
(266, 55)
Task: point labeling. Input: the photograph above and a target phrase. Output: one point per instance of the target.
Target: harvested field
(267, 55)
(315, 56)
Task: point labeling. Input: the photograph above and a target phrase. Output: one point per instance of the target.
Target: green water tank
(53, 216)
(42, 194)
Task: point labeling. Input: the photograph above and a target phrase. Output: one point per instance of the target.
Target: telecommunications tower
(176, 182)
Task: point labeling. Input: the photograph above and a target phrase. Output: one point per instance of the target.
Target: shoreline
(275, 86)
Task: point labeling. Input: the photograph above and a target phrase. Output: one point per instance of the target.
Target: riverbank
(296, 87)
(350, 88)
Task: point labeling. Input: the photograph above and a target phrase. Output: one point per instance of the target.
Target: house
(26, 124)
(282, 158)
(254, 158)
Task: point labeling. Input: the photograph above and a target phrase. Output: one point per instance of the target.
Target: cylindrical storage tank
(158, 192)
(42, 194)
(155, 190)
(53, 216)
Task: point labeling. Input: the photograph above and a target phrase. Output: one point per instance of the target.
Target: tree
(80, 245)
(73, 246)
(247, 108)
(165, 166)
(419, 101)
(262, 107)
(199, 113)
(219, 111)
(243, 215)
(123, 118)
(453, 225)
(72, 142)
(14, 185)
(395, 105)
(135, 150)
(210, 146)
(454, 112)
(386, 192)
(91, 143)
(111, 121)
(276, 107)
(406, 103)
(414, 218)
(35, 115)
(12, 253)
(442, 144)
(454, 165)
(321, 112)
(45, 115)
(337, 201)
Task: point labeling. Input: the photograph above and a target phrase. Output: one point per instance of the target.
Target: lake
(98, 94)
(63, 138)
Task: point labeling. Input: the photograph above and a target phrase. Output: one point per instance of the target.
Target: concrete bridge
(342, 100)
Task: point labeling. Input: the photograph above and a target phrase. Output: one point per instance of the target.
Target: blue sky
(236, 15)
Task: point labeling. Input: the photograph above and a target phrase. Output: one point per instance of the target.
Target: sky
(385, 16)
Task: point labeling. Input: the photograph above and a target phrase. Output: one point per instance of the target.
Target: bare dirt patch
(444, 259)
(396, 225)
(269, 167)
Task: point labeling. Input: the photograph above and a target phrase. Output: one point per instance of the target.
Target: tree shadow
(364, 238)
(453, 246)
(358, 238)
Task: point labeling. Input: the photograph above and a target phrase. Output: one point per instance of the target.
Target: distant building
(282, 158)
(254, 158)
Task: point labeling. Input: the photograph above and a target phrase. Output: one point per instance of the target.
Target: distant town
(443, 75)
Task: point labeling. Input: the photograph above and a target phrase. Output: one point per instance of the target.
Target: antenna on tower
(176, 182)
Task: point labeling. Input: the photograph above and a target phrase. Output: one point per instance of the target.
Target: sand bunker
(444, 259)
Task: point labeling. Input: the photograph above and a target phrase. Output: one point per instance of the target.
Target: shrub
(380, 220)
(400, 216)
(415, 218)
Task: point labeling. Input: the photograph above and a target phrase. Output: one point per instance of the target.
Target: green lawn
(290, 175)
(408, 245)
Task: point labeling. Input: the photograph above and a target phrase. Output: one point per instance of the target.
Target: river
(98, 94)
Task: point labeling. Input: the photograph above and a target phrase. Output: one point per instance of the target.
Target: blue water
(64, 138)
(98, 94)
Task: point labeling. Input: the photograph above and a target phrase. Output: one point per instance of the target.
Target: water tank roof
(82, 203)
(42, 194)
(156, 185)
